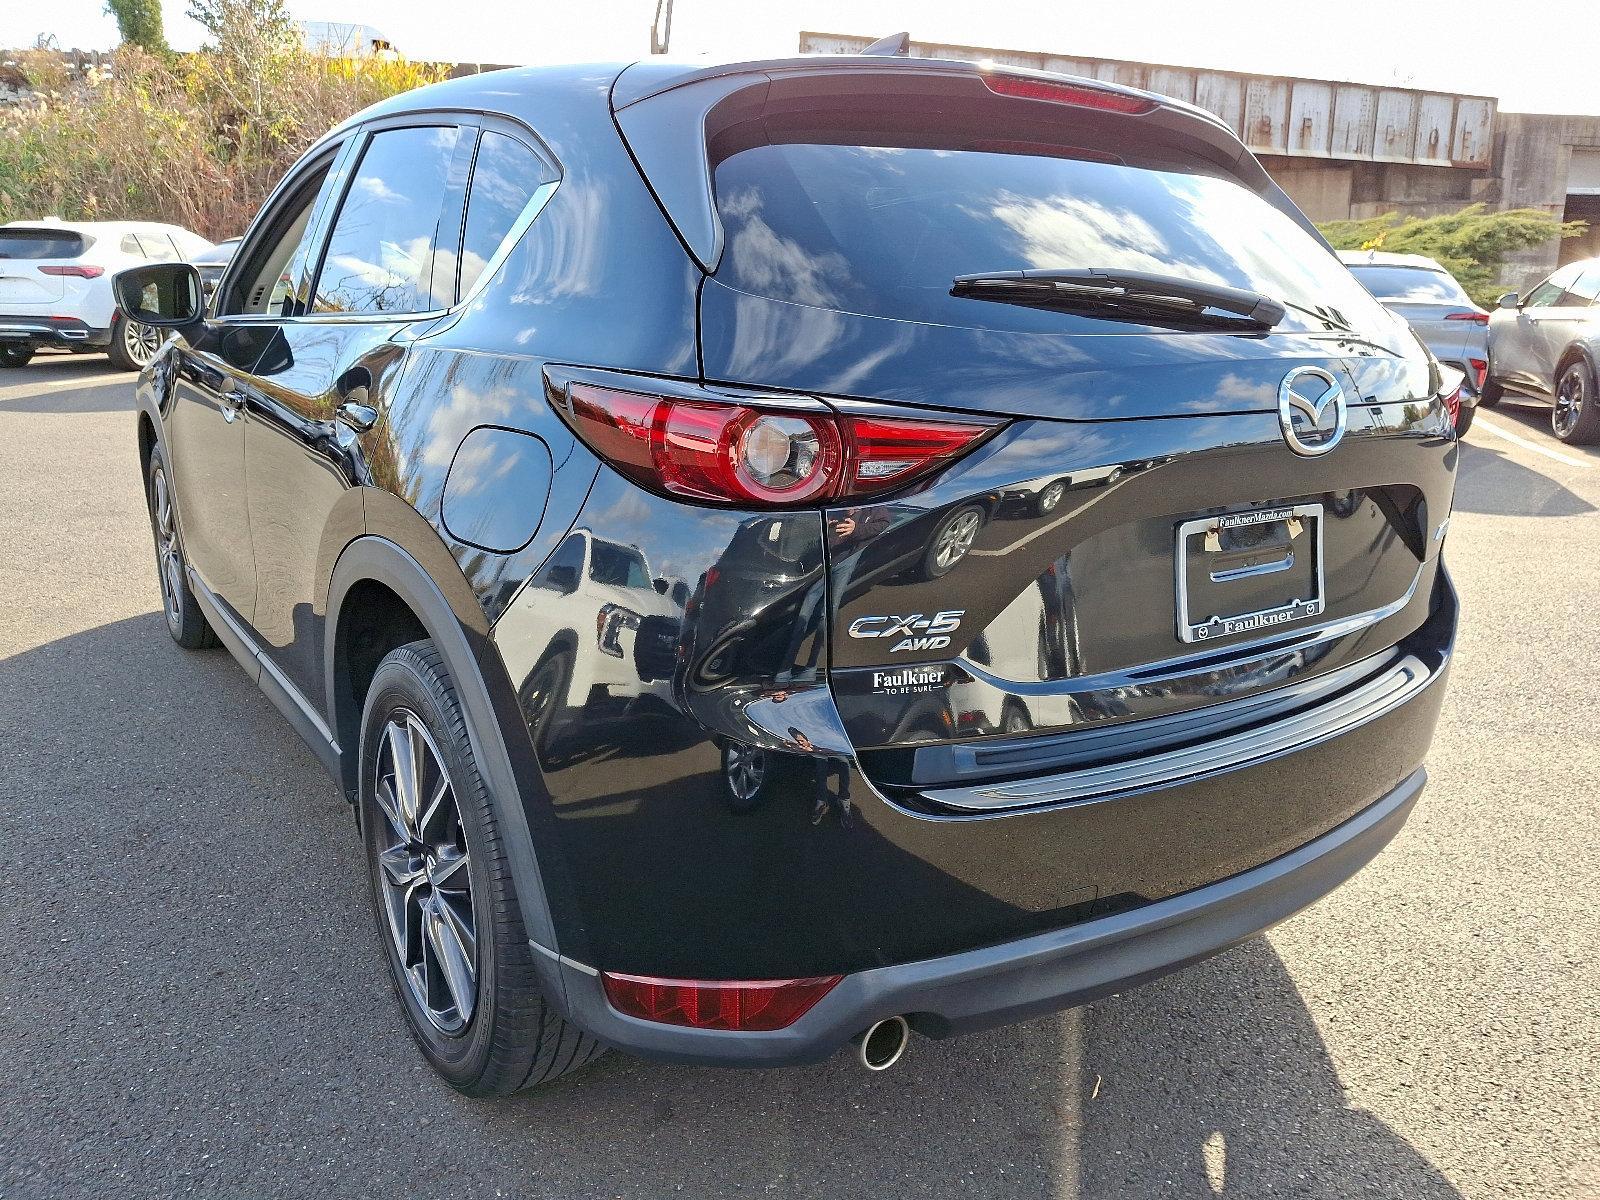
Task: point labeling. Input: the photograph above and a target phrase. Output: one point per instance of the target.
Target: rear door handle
(233, 402)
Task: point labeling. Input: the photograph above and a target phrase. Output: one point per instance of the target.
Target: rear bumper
(70, 332)
(996, 985)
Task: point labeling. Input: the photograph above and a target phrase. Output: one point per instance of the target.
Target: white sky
(1534, 55)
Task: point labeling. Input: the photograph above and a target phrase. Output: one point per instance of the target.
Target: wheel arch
(1570, 355)
(374, 566)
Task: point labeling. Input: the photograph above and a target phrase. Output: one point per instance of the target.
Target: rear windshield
(1418, 285)
(882, 230)
(41, 243)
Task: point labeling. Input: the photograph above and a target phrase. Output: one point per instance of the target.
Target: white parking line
(1489, 426)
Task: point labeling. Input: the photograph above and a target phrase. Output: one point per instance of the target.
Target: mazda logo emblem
(1311, 411)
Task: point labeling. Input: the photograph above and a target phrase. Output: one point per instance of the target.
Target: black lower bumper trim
(996, 985)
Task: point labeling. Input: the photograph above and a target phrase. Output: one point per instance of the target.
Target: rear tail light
(1477, 318)
(728, 453)
(740, 1005)
(78, 272)
(1480, 370)
(1077, 95)
(1452, 404)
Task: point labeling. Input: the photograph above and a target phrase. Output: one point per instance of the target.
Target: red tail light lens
(742, 1005)
(1480, 370)
(1066, 93)
(1477, 318)
(1452, 405)
(79, 272)
(737, 454)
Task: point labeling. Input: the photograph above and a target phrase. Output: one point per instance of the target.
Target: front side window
(265, 285)
(504, 178)
(618, 566)
(382, 250)
(1549, 293)
(1587, 289)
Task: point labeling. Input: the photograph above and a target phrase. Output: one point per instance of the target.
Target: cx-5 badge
(1311, 411)
(919, 632)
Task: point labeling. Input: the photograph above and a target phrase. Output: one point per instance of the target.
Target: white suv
(55, 285)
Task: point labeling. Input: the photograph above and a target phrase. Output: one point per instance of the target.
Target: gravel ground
(192, 998)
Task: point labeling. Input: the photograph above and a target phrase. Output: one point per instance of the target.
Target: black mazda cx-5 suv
(805, 551)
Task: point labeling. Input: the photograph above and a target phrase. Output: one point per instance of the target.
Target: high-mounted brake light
(1477, 318)
(1023, 88)
(727, 453)
(743, 1005)
(79, 272)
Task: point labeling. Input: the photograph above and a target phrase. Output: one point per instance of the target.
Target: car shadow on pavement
(67, 384)
(189, 909)
(1494, 483)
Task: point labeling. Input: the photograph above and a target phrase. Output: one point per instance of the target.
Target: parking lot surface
(192, 999)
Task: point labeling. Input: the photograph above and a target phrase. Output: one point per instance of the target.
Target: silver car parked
(1544, 346)
(1437, 307)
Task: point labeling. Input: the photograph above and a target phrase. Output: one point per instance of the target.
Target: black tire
(1464, 419)
(15, 355)
(509, 1037)
(1575, 418)
(1491, 395)
(185, 622)
(119, 352)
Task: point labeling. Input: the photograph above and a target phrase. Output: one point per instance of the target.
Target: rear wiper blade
(1146, 291)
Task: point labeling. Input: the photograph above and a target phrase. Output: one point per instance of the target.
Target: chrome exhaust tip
(883, 1044)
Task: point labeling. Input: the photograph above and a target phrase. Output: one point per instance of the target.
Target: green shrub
(195, 139)
(1470, 244)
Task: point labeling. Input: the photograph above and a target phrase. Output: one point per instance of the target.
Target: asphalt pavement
(192, 1000)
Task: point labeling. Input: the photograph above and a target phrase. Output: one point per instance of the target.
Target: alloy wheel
(140, 341)
(1569, 401)
(424, 874)
(169, 558)
(1051, 497)
(955, 540)
(747, 770)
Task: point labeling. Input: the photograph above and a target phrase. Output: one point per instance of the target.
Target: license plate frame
(1212, 627)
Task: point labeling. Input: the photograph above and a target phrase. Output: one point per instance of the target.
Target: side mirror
(661, 585)
(166, 295)
(1510, 300)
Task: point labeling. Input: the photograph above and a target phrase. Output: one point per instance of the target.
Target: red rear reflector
(1066, 93)
(738, 454)
(79, 272)
(751, 1005)
(1477, 318)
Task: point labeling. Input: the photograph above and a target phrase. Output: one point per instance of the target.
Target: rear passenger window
(504, 178)
(157, 247)
(381, 253)
(130, 245)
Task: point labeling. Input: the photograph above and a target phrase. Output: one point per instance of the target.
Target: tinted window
(883, 230)
(266, 284)
(1588, 286)
(380, 255)
(619, 566)
(158, 246)
(561, 570)
(1414, 285)
(504, 178)
(41, 243)
(130, 245)
(1549, 293)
